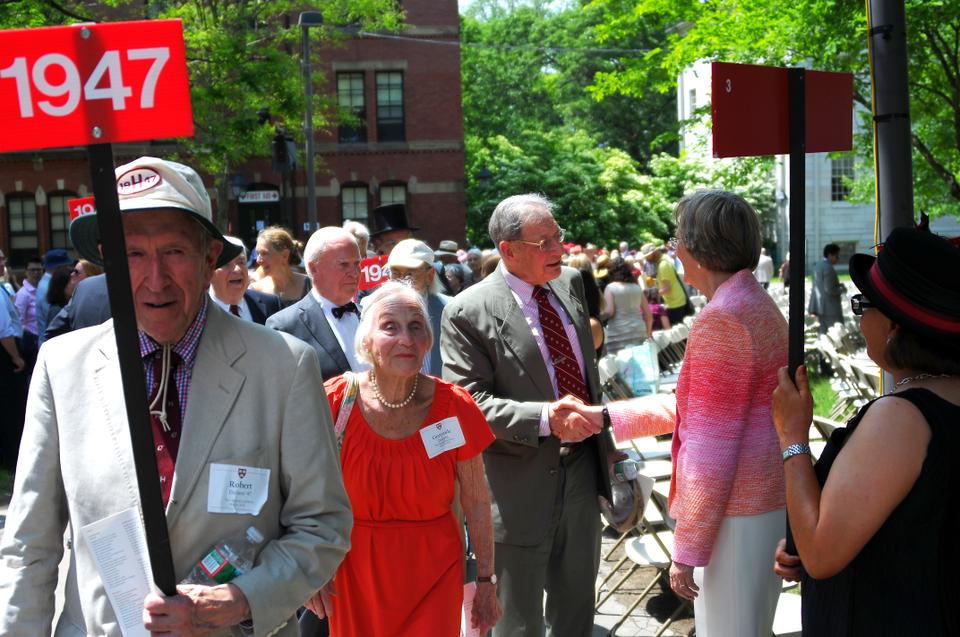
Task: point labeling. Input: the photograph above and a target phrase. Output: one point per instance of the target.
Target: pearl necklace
(910, 379)
(384, 401)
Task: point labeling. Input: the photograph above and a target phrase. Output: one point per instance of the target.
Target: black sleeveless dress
(904, 580)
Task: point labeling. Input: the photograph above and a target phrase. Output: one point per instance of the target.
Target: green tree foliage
(828, 35)
(530, 119)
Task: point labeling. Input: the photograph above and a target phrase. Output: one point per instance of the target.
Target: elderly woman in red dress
(408, 438)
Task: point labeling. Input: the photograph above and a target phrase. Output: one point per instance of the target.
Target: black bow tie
(338, 312)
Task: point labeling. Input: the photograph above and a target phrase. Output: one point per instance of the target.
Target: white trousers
(738, 589)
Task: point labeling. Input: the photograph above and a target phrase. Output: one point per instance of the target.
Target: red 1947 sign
(92, 84)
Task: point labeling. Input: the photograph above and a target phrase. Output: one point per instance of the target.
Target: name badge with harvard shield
(442, 436)
(236, 489)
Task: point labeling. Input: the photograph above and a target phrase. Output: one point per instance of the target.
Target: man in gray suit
(327, 318)
(519, 340)
(826, 294)
(221, 408)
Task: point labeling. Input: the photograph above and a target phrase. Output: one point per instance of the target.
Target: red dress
(403, 574)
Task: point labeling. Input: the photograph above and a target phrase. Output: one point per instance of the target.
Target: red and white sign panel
(373, 272)
(81, 206)
(750, 108)
(92, 84)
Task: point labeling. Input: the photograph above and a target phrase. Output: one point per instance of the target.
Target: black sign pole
(114, 251)
(796, 101)
(797, 108)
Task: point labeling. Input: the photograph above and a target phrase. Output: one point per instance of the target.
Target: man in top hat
(327, 317)
(390, 227)
(219, 390)
(228, 289)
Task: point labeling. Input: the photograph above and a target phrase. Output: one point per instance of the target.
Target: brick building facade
(405, 144)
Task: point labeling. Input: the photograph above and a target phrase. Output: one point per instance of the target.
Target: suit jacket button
(552, 472)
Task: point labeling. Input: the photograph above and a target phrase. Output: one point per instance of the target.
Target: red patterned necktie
(568, 374)
(166, 439)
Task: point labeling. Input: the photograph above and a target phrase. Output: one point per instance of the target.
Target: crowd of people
(453, 416)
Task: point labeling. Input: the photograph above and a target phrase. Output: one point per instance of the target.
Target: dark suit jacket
(488, 348)
(89, 305)
(262, 305)
(304, 319)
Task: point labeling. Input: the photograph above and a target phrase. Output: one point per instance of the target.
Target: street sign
(750, 110)
(81, 206)
(93, 84)
(259, 196)
(373, 272)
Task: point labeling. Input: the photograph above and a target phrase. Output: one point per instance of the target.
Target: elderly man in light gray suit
(520, 340)
(236, 399)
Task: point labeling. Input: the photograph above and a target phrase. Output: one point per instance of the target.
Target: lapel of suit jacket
(515, 332)
(257, 312)
(311, 314)
(581, 323)
(106, 377)
(214, 387)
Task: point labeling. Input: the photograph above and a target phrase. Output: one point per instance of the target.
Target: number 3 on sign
(109, 66)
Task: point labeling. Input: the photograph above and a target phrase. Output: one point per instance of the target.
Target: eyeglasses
(34, 269)
(546, 244)
(858, 303)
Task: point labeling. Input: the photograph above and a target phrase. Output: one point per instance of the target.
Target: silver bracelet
(795, 450)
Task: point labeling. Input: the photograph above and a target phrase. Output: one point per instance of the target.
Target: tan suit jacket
(256, 399)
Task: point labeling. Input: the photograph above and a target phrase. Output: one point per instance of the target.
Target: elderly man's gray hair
(373, 305)
(320, 239)
(506, 222)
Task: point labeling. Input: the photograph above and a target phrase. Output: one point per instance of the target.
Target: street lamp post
(309, 19)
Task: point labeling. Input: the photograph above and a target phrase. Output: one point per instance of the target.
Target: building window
(393, 194)
(693, 102)
(59, 219)
(390, 107)
(351, 101)
(354, 203)
(841, 172)
(22, 225)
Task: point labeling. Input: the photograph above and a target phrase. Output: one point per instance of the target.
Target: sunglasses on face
(858, 303)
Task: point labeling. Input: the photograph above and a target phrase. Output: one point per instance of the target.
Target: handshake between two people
(572, 420)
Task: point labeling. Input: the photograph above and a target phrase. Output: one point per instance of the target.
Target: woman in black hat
(876, 520)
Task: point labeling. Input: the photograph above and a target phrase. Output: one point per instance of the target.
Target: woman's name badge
(236, 489)
(442, 436)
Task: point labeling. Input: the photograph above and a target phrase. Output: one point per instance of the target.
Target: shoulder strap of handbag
(346, 406)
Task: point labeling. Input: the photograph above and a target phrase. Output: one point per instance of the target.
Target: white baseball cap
(149, 183)
(410, 253)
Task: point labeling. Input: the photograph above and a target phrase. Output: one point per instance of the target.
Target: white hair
(319, 241)
(373, 304)
(510, 215)
(357, 229)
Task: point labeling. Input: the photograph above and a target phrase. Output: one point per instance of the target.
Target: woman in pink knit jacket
(727, 492)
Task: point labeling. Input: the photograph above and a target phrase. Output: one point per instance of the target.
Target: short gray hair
(506, 222)
(373, 304)
(320, 239)
(719, 229)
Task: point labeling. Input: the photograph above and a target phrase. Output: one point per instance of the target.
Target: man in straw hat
(221, 419)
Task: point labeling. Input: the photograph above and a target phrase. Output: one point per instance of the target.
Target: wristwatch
(492, 579)
(795, 450)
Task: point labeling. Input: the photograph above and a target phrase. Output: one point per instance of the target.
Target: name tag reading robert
(236, 489)
(442, 436)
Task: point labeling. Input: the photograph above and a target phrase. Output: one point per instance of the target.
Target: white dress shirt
(344, 328)
(523, 294)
